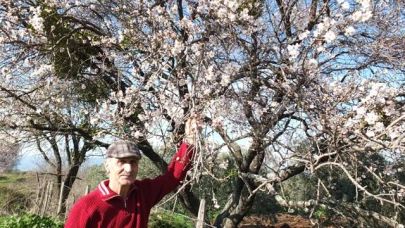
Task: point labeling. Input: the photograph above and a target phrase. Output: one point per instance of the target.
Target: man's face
(122, 171)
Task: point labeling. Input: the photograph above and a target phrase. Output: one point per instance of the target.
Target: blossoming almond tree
(265, 76)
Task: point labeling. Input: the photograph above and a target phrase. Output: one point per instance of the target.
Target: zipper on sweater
(126, 197)
(123, 199)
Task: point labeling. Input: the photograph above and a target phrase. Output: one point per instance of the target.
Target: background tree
(265, 77)
(71, 150)
(9, 155)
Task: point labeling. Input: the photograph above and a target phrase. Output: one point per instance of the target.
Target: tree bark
(66, 188)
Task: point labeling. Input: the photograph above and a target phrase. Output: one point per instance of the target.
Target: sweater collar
(107, 193)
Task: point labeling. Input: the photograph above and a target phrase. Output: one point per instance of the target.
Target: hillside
(17, 190)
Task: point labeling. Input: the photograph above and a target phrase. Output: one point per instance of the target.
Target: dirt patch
(277, 221)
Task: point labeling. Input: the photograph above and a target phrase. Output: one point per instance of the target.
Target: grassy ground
(16, 192)
(13, 177)
(22, 182)
(283, 221)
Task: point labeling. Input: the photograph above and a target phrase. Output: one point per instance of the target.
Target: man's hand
(193, 127)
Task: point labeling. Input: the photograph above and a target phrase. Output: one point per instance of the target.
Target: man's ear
(107, 166)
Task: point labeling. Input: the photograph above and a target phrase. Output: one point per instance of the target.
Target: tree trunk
(243, 196)
(238, 206)
(65, 189)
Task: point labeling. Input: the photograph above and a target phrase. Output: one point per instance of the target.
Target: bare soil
(282, 221)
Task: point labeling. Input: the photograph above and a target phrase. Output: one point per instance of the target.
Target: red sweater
(105, 208)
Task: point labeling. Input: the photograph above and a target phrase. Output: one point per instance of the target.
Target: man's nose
(127, 167)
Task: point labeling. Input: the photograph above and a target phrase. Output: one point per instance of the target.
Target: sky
(30, 162)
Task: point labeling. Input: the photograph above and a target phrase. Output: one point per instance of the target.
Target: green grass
(163, 220)
(21, 182)
(13, 178)
(17, 191)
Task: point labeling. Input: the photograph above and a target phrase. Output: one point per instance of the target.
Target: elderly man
(122, 201)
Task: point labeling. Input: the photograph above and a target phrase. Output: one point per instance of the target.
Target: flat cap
(123, 149)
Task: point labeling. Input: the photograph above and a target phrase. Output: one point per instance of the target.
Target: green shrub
(163, 220)
(28, 220)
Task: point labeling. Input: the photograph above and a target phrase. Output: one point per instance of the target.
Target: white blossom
(371, 117)
(365, 4)
(312, 63)
(366, 16)
(94, 120)
(360, 110)
(393, 134)
(36, 20)
(330, 36)
(389, 110)
(210, 76)
(303, 35)
(349, 31)
(356, 16)
(225, 79)
(178, 47)
(4, 70)
(293, 50)
(345, 6)
(138, 134)
(320, 49)
(379, 126)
